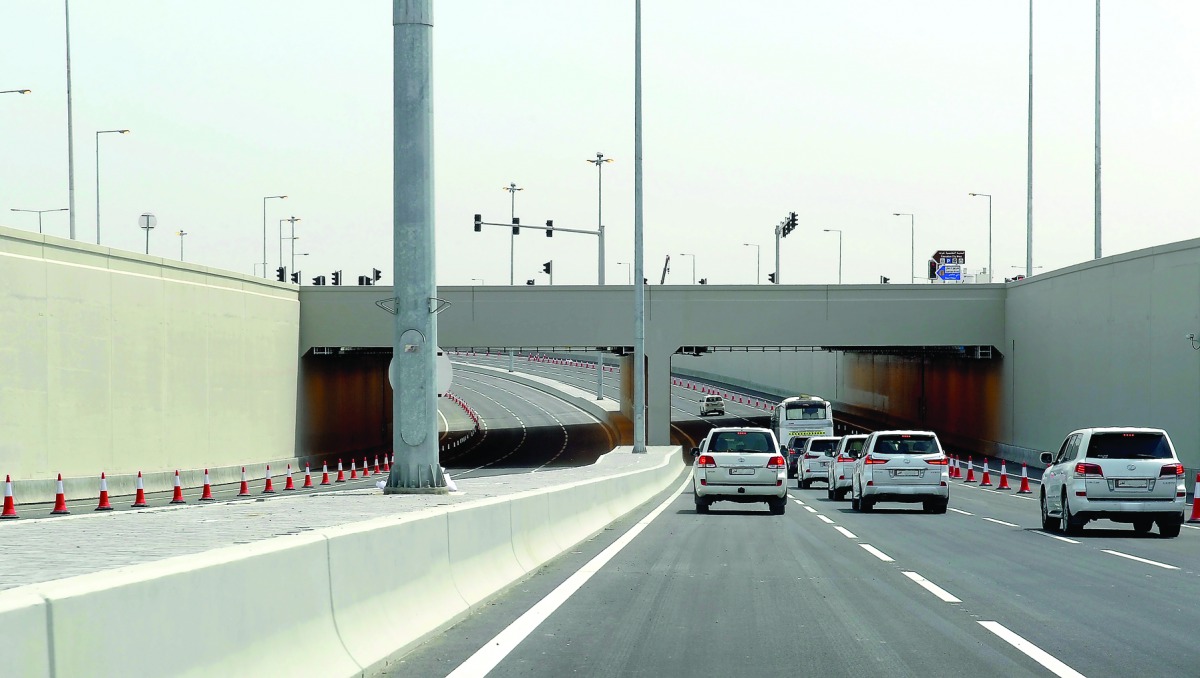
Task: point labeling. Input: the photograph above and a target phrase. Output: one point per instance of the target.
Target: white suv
(813, 461)
(841, 467)
(1127, 475)
(739, 465)
(903, 466)
(712, 404)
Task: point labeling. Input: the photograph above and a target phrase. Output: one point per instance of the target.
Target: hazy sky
(844, 112)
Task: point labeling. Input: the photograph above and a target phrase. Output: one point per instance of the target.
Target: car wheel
(1070, 524)
(701, 505)
(854, 501)
(1142, 526)
(866, 505)
(778, 506)
(829, 494)
(1048, 524)
(839, 495)
(1168, 530)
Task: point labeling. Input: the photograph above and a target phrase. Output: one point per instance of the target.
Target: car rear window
(905, 443)
(741, 441)
(822, 446)
(855, 445)
(1129, 446)
(797, 411)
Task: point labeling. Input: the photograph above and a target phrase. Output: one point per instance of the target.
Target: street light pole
(98, 133)
(71, 126)
(912, 256)
(991, 273)
(1029, 159)
(264, 261)
(292, 243)
(1097, 129)
(599, 163)
(40, 213)
(181, 234)
(693, 265)
(838, 231)
(757, 262)
(512, 237)
(639, 287)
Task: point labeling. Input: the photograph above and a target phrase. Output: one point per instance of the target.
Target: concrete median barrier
(23, 630)
(482, 560)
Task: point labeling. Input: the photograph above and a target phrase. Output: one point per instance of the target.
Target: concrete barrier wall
(333, 602)
(118, 362)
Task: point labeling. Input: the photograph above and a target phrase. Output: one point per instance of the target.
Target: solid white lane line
(496, 649)
(965, 513)
(810, 509)
(1001, 522)
(877, 553)
(1032, 651)
(1140, 560)
(1055, 536)
(1192, 527)
(929, 586)
(846, 533)
(825, 520)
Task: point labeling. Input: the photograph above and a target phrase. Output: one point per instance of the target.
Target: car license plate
(824, 464)
(907, 472)
(741, 471)
(1140, 483)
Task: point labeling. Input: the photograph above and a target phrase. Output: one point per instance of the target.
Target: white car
(739, 465)
(712, 404)
(1127, 475)
(841, 467)
(902, 466)
(813, 462)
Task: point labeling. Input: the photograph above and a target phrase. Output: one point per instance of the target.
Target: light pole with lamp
(757, 261)
(989, 197)
(912, 271)
(181, 234)
(15, 91)
(599, 163)
(684, 254)
(264, 261)
(98, 133)
(839, 232)
(40, 213)
(71, 128)
(292, 243)
(628, 271)
(512, 237)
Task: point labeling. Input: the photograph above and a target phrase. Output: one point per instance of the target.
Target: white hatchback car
(739, 465)
(712, 404)
(841, 467)
(903, 466)
(814, 460)
(1127, 475)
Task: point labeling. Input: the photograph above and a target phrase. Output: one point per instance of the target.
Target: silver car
(903, 466)
(1127, 475)
(739, 465)
(841, 467)
(813, 462)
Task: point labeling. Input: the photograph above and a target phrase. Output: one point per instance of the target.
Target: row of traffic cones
(986, 479)
(731, 397)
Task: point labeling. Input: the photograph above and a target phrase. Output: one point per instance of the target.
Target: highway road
(824, 591)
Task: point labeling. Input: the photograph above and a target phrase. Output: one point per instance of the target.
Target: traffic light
(883, 280)
(337, 277)
(771, 277)
(478, 223)
(319, 280)
(546, 267)
(516, 225)
(296, 277)
(363, 280)
(549, 228)
(529, 282)
(376, 274)
(789, 224)
(281, 274)
(933, 266)
(704, 281)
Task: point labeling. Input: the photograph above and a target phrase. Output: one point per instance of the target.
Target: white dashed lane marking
(1032, 651)
(936, 590)
(825, 520)
(877, 553)
(1140, 560)
(1055, 536)
(846, 533)
(810, 509)
(965, 513)
(1001, 522)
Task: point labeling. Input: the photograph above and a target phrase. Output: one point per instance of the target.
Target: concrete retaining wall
(332, 602)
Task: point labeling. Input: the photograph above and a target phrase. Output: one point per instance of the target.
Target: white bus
(801, 417)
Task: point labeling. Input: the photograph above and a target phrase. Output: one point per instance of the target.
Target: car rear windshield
(822, 446)
(741, 441)
(905, 443)
(855, 445)
(797, 411)
(1129, 446)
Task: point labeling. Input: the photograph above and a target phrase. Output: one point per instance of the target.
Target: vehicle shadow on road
(719, 512)
(1101, 533)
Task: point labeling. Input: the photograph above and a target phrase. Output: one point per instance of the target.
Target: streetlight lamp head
(122, 131)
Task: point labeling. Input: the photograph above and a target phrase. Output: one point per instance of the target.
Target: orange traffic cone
(987, 474)
(244, 490)
(177, 498)
(324, 473)
(970, 470)
(289, 485)
(307, 477)
(386, 467)
(206, 494)
(10, 509)
(60, 500)
(377, 471)
(1003, 477)
(104, 505)
(1024, 481)
(139, 499)
(366, 468)
(353, 471)
(955, 470)
(1195, 505)
(269, 488)
(341, 477)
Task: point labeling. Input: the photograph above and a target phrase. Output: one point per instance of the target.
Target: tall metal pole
(912, 254)
(512, 237)
(1029, 159)
(1097, 129)
(639, 282)
(834, 230)
(292, 243)
(71, 130)
(264, 261)
(414, 346)
(599, 163)
(181, 234)
(98, 195)
(778, 236)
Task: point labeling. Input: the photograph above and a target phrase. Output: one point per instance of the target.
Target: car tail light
(705, 461)
(941, 461)
(1085, 470)
(1171, 470)
(812, 456)
(843, 460)
(776, 462)
(872, 460)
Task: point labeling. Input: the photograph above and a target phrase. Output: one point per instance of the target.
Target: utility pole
(512, 237)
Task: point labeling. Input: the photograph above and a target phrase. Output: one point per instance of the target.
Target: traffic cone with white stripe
(987, 474)
(341, 476)
(177, 498)
(10, 509)
(353, 471)
(206, 493)
(244, 490)
(289, 485)
(1024, 481)
(954, 470)
(104, 505)
(270, 487)
(1195, 505)
(307, 477)
(60, 500)
(387, 468)
(139, 498)
(366, 468)
(324, 473)
(377, 471)
(970, 470)
(1003, 477)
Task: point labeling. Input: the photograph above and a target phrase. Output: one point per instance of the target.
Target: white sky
(844, 112)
